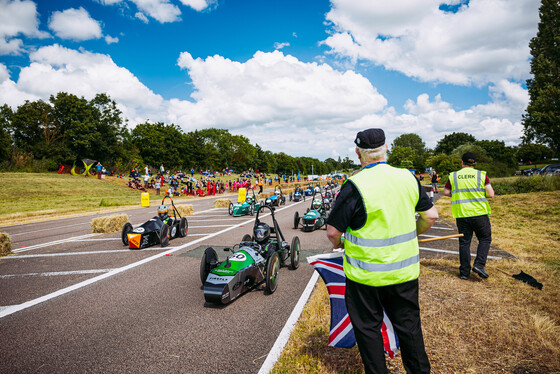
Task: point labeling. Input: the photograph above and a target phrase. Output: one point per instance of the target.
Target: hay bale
(109, 224)
(5, 244)
(222, 203)
(185, 210)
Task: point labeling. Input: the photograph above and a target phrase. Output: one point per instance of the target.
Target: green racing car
(249, 206)
(315, 217)
(256, 260)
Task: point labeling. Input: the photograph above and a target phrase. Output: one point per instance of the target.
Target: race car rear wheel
(252, 210)
(296, 220)
(125, 230)
(230, 209)
(291, 196)
(247, 238)
(164, 235)
(208, 262)
(294, 253)
(183, 227)
(272, 267)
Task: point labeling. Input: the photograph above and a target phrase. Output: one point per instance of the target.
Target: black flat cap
(370, 138)
(469, 158)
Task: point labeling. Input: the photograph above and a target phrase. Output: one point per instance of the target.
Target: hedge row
(526, 184)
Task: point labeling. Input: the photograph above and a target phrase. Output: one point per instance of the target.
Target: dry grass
(222, 203)
(185, 210)
(498, 325)
(109, 224)
(5, 244)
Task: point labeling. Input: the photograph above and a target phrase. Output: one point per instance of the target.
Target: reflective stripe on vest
(468, 200)
(385, 250)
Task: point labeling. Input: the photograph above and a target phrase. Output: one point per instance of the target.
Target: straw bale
(222, 203)
(109, 224)
(185, 210)
(5, 244)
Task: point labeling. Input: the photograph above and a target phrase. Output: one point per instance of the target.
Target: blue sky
(300, 77)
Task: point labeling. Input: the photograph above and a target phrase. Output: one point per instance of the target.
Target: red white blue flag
(329, 267)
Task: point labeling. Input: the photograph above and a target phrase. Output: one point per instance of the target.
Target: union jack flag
(329, 267)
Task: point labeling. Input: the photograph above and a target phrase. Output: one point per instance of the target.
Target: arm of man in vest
(426, 220)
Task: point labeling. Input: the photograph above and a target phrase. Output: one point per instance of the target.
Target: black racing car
(255, 260)
(157, 230)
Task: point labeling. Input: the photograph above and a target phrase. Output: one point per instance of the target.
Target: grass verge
(498, 325)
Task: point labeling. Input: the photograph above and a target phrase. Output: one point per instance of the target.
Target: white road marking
(201, 227)
(50, 229)
(455, 252)
(19, 307)
(42, 245)
(55, 273)
(284, 336)
(442, 228)
(85, 253)
(95, 240)
(225, 218)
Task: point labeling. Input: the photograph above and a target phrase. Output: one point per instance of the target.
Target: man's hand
(335, 237)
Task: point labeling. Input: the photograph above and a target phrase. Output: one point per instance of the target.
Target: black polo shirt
(349, 211)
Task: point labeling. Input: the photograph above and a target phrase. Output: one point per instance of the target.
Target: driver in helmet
(317, 204)
(249, 199)
(262, 235)
(277, 192)
(163, 214)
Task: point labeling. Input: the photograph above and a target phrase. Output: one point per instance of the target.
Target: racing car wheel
(183, 227)
(164, 235)
(208, 262)
(125, 230)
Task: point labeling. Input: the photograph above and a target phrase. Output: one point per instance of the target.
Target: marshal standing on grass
(375, 209)
(469, 189)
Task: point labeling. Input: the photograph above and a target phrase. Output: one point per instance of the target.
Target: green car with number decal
(316, 215)
(257, 259)
(249, 206)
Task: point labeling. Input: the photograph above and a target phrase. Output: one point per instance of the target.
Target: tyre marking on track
(42, 245)
(284, 335)
(56, 273)
(19, 307)
(455, 252)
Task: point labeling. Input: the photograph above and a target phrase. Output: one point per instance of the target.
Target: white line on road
(55, 273)
(50, 229)
(86, 253)
(284, 336)
(19, 307)
(454, 252)
(42, 245)
(442, 228)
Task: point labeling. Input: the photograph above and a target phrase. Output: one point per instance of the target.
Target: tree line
(38, 136)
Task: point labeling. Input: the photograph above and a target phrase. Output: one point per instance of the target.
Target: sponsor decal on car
(139, 230)
(224, 271)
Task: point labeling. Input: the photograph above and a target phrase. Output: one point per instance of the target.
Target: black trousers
(365, 307)
(480, 225)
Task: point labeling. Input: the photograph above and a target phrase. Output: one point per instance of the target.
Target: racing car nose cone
(134, 240)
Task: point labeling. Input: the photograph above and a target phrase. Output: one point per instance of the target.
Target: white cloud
(75, 24)
(111, 40)
(277, 101)
(197, 5)
(17, 18)
(281, 45)
(484, 41)
(142, 17)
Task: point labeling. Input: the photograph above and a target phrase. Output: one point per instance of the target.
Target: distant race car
(257, 259)
(315, 217)
(277, 199)
(297, 195)
(249, 206)
(157, 230)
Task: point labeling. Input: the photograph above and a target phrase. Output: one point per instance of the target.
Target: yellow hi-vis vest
(468, 193)
(385, 250)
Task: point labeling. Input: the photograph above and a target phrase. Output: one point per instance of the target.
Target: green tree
(444, 164)
(159, 143)
(542, 120)
(533, 153)
(402, 157)
(449, 142)
(416, 143)
(6, 115)
(498, 151)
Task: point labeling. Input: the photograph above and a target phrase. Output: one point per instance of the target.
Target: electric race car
(255, 260)
(157, 230)
(315, 217)
(277, 199)
(297, 195)
(249, 206)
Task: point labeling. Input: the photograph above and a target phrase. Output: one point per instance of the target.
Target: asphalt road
(75, 302)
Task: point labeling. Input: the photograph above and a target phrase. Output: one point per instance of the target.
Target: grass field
(498, 325)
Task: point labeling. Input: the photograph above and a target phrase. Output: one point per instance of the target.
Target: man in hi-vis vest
(375, 210)
(469, 189)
